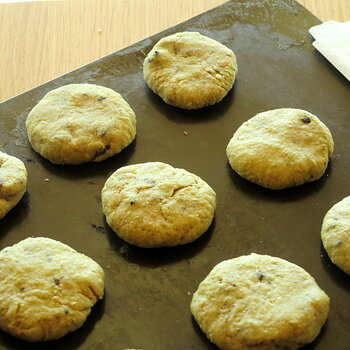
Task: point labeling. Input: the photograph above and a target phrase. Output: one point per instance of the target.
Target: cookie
(335, 234)
(189, 70)
(259, 302)
(13, 182)
(47, 289)
(155, 205)
(281, 148)
(80, 123)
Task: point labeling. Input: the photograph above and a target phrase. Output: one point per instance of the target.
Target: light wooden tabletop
(40, 40)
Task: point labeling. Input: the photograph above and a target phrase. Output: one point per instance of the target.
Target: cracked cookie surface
(13, 182)
(154, 205)
(281, 148)
(259, 302)
(335, 234)
(189, 70)
(47, 289)
(80, 123)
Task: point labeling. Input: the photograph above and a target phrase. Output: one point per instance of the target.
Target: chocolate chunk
(306, 120)
(102, 150)
(261, 276)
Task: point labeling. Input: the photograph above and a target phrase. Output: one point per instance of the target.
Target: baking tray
(148, 291)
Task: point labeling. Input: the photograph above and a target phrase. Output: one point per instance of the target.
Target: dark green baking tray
(148, 292)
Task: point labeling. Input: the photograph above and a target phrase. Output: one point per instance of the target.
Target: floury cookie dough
(47, 289)
(281, 148)
(80, 123)
(189, 70)
(13, 182)
(335, 234)
(259, 302)
(155, 205)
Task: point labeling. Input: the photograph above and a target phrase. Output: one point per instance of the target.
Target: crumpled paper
(332, 40)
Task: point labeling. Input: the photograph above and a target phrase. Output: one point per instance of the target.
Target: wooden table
(40, 40)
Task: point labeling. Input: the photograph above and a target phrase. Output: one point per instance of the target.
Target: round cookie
(281, 148)
(155, 205)
(47, 289)
(80, 123)
(335, 234)
(259, 302)
(13, 182)
(189, 70)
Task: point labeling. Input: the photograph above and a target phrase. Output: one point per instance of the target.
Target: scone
(189, 70)
(281, 148)
(335, 234)
(13, 182)
(80, 123)
(47, 289)
(155, 205)
(259, 302)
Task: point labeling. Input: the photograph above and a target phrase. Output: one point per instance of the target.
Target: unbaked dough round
(80, 123)
(281, 148)
(154, 205)
(335, 234)
(189, 70)
(13, 182)
(47, 289)
(259, 302)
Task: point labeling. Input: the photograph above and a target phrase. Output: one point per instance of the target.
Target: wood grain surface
(40, 40)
